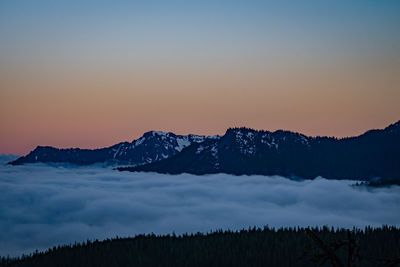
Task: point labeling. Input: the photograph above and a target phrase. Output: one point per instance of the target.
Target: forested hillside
(252, 247)
(244, 151)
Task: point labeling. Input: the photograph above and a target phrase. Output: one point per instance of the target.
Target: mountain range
(152, 146)
(374, 154)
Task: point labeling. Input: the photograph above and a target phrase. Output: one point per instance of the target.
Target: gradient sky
(93, 73)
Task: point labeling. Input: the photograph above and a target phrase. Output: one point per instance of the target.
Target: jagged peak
(157, 133)
(41, 148)
(171, 134)
(151, 134)
(240, 130)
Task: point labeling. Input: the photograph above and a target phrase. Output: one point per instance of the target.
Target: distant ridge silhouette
(372, 155)
(152, 146)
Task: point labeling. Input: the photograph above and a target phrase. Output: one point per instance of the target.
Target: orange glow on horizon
(93, 109)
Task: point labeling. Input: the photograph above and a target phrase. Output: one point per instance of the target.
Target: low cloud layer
(42, 206)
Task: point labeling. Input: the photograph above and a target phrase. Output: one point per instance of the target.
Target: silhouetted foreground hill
(246, 151)
(253, 247)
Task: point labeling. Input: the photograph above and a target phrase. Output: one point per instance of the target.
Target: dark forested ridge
(253, 247)
(375, 154)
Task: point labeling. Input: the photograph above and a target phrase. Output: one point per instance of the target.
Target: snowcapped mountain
(152, 146)
(375, 153)
(239, 149)
(246, 151)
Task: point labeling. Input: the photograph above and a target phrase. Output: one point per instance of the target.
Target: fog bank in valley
(42, 206)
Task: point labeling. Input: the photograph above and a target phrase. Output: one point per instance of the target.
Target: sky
(93, 73)
(42, 206)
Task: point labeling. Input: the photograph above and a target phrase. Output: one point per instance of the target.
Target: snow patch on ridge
(246, 142)
(140, 141)
(269, 140)
(182, 143)
(200, 149)
(160, 133)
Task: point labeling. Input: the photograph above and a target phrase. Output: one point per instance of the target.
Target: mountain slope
(151, 147)
(245, 151)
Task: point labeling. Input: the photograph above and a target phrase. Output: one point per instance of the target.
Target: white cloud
(42, 206)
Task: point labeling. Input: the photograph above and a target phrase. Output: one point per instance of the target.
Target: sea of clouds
(42, 206)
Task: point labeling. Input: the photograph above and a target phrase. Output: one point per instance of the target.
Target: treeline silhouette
(244, 151)
(252, 247)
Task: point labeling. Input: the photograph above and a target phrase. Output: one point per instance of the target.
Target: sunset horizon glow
(94, 73)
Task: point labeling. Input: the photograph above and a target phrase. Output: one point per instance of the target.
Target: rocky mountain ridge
(152, 146)
(246, 151)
